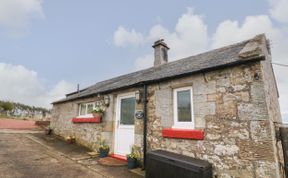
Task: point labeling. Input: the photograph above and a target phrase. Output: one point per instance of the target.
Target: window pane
(184, 106)
(82, 109)
(89, 108)
(127, 111)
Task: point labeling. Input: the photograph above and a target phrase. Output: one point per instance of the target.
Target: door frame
(117, 118)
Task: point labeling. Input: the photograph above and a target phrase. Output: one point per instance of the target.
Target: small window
(90, 107)
(86, 108)
(82, 110)
(127, 111)
(183, 108)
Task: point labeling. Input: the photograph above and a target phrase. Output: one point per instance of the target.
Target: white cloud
(282, 81)
(279, 10)
(15, 15)
(144, 62)
(229, 32)
(124, 37)
(22, 85)
(189, 37)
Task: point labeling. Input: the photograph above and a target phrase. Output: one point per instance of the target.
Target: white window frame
(177, 124)
(86, 112)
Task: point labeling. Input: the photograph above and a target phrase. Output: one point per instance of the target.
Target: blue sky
(74, 36)
(49, 46)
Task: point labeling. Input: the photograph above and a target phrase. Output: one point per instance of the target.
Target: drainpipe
(145, 126)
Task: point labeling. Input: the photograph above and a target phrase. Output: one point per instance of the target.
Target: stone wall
(235, 106)
(272, 95)
(230, 105)
(90, 134)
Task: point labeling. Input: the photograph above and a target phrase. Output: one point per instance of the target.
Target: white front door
(124, 127)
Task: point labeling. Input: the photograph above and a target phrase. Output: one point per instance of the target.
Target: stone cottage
(221, 106)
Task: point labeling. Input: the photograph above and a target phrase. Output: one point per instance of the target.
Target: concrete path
(32, 154)
(21, 157)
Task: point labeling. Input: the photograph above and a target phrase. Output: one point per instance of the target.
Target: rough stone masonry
(236, 106)
(230, 105)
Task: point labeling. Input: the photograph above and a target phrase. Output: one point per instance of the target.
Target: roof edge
(249, 60)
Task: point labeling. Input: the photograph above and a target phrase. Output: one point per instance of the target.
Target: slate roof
(222, 57)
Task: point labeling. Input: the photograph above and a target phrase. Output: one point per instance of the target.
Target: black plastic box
(164, 164)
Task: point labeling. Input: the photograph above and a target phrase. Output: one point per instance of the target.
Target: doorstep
(110, 161)
(120, 157)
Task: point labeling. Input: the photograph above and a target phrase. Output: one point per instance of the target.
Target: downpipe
(145, 126)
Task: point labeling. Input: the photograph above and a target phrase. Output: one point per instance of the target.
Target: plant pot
(103, 153)
(48, 131)
(132, 163)
(140, 163)
(69, 140)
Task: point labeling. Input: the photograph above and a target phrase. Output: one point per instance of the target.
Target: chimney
(160, 52)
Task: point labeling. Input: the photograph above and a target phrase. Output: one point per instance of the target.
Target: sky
(50, 46)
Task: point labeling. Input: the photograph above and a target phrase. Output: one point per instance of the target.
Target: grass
(4, 116)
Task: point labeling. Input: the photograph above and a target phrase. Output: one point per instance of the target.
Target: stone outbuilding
(220, 106)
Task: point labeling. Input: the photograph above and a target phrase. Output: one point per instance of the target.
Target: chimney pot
(160, 52)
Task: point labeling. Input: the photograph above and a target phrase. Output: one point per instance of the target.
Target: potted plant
(70, 139)
(97, 112)
(48, 130)
(73, 138)
(133, 157)
(103, 149)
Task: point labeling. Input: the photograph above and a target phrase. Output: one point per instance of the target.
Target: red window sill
(183, 133)
(86, 120)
